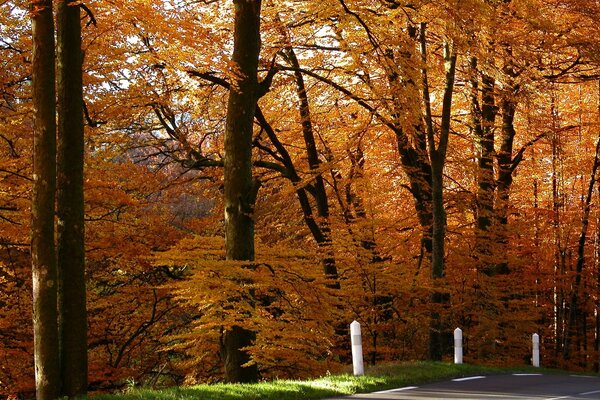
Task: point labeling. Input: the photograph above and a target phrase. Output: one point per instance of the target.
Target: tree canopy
(415, 166)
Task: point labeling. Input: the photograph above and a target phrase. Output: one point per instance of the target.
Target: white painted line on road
(586, 393)
(558, 398)
(397, 390)
(470, 378)
(528, 374)
(583, 376)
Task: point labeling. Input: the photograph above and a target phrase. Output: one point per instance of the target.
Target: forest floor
(376, 379)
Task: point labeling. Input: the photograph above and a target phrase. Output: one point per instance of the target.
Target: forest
(213, 190)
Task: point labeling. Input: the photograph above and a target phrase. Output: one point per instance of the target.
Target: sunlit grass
(376, 378)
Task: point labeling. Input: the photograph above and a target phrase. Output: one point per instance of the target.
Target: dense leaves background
(160, 294)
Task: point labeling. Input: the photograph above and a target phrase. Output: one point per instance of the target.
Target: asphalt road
(516, 386)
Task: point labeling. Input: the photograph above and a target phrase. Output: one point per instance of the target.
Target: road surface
(516, 386)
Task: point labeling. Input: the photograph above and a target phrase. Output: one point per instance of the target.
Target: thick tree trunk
(45, 326)
(240, 190)
(70, 205)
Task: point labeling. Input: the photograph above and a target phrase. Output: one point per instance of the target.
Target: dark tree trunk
(437, 157)
(483, 120)
(70, 205)
(438, 160)
(504, 183)
(418, 170)
(240, 189)
(44, 273)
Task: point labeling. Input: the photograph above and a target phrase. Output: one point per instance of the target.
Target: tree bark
(504, 183)
(240, 190)
(437, 157)
(70, 205)
(44, 273)
(483, 119)
(418, 170)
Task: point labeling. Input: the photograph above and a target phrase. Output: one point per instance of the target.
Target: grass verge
(377, 378)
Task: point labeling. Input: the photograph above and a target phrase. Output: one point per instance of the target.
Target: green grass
(377, 378)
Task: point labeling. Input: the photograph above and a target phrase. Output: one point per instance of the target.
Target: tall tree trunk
(70, 205)
(45, 327)
(438, 160)
(483, 120)
(504, 183)
(437, 157)
(240, 189)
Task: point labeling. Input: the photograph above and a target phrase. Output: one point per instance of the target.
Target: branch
(362, 23)
(426, 95)
(208, 76)
(265, 85)
(11, 146)
(519, 156)
(89, 14)
(272, 166)
(15, 244)
(9, 220)
(359, 100)
(91, 122)
(16, 174)
(450, 62)
(565, 70)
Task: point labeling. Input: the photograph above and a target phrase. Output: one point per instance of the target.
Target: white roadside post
(458, 346)
(535, 360)
(357, 353)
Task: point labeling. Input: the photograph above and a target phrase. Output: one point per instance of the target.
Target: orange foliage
(161, 294)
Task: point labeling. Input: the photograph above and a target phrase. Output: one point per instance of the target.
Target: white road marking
(586, 393)
(397, 390)
(558, 398)
(467, 379)
(528, 374)
(582, 376)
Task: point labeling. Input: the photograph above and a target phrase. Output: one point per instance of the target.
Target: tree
(240, 188)
(437, 158)
(70, 203)
(45, 282)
